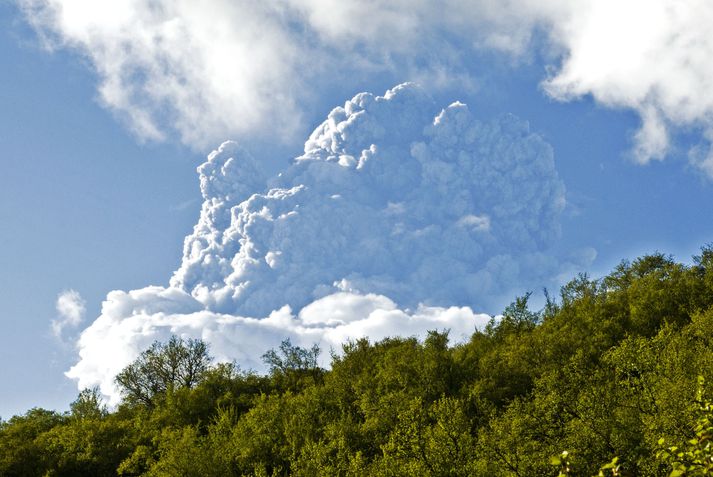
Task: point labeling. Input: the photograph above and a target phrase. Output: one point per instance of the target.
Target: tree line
(610, 377)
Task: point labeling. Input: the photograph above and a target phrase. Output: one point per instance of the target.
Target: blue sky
(65, 162)
(93, 199)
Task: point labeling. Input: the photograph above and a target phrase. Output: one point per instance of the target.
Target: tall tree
(163, 367)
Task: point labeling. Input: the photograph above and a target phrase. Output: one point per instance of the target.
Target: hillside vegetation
(612, 367)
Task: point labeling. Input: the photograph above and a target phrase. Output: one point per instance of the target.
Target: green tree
(163, 367)
(292, 367)
(88, 405)
(22, 452)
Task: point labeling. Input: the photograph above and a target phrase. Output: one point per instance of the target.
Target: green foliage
(163, 367)
(293, 367)
(604, 370)
(694, 457)
(88, 405)
(21, 449)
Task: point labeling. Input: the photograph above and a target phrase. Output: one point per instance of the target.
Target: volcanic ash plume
(397, 219)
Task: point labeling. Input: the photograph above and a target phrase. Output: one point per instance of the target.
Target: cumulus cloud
(231, 68)
(116, 337)
(70, 309)
(398, 218)
(649, 56)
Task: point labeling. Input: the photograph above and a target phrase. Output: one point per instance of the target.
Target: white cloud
(396, 220)
(652, 56)
(223, 68)
(215, 69)
(477, 223)
(205, 71)
(70, 309)
(131, 321)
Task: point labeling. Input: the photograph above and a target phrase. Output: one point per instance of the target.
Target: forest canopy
(611, 370)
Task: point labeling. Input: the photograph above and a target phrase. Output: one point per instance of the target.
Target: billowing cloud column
(397, 219)
(390, 196)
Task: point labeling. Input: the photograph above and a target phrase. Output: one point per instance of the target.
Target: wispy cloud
(212, 70)
(70, 312)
